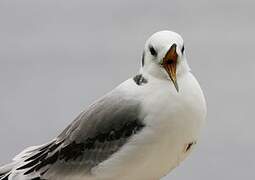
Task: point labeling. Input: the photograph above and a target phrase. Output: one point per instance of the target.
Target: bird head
(164, 57)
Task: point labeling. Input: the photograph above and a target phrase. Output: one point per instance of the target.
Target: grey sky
(56, 57)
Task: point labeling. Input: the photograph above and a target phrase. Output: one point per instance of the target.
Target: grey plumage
(93, 137)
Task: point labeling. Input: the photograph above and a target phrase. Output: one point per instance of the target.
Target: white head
(164, 56)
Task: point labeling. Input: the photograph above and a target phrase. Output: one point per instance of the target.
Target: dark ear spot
(153, 51)
(143, 58)
(140, 80)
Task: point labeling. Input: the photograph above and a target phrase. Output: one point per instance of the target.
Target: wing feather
(94, 136)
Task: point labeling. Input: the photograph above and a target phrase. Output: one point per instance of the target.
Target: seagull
(141, 130)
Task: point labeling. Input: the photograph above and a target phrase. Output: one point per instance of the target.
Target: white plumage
(168, 112)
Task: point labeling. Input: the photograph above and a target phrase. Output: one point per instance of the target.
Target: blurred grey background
(57, 57)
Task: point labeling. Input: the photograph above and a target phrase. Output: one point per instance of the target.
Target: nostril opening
(189, 146)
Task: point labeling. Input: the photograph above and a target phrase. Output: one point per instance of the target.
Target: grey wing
(92, 138)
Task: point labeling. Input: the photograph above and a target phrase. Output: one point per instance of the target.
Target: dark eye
(152, 51)
(183, 49)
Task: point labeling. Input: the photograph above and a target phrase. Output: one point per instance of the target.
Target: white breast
(173, 121)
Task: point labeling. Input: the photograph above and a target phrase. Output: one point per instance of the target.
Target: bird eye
(152, 51)
(182, 49)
